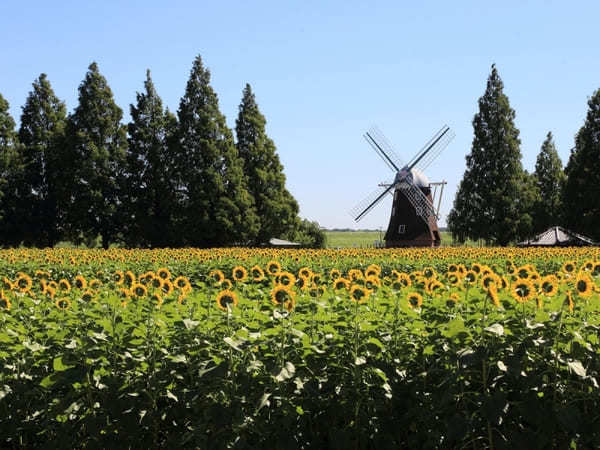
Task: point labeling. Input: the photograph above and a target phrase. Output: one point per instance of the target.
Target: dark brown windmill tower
(413, 221)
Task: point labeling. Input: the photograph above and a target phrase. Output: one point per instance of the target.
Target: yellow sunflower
(257, 273)
(434, 287)
(549, 285)
(119, 277)
(164, 273)
(182, 283)
(359, 293)
(216, 275)
(130, 278)
(87, 296)
(286, 278)
(453, 278)
(372, 283)
(156, 282)
(341, 283)
(429, 272)
(283, 295)
(488, 279)
(355, 274)
(569, 267)
(139, 290)
(23, 282)
(7, 284)
(95, 284)
(63, 303)
(373, 269)
(64, 285)
(302, 283)
(239, 273)
(470, 277)
(226, 284)
(167, 287)
(414, 299)
(583, 285)
(305, 272)
(4, 301)
(316, 278)
(273, 267)
(226, 299)
(522, 290)
(80, 283)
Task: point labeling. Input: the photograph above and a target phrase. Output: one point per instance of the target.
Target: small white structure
(558, 237)
(282, 243)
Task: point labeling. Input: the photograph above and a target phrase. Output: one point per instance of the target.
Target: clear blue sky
(325, 71)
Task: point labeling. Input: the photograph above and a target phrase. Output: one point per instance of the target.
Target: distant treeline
(499, 202)
(162, 180)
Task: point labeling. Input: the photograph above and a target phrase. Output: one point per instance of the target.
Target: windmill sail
(383, 148)
(435, 151)
(421, 203)
(432, 148)
(366, 205)
(413, 218)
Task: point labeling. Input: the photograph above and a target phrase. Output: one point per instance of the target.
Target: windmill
(413, 221)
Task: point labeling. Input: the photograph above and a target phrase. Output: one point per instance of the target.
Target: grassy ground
(363, 239)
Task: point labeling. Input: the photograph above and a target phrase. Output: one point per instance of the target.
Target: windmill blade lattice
(366, 205)
(436, 150)
(431, 149)
(383, 148)
(415, 196)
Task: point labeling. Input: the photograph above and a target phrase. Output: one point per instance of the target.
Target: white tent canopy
(557, 237)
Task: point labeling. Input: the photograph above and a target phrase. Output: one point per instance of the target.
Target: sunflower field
(256, 348)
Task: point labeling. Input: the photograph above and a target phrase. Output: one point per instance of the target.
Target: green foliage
(308, 233)
(214, 205)
(582, 188)
(159, 182)
(150, 193)
(11, 178)
(549, 180)
(275, 206)
(330, 373)
(42, 135)
(95, 161)
(492, 201)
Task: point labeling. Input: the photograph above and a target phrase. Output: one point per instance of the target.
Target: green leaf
(376, 342)
(59, 365)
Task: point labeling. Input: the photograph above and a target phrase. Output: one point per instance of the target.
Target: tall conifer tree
(490, 202)
(97, 145)
(11, 178)
(41, 134)
(215, 206)
(150, 194)
(549, 180)
(276, 207)
(582, 189)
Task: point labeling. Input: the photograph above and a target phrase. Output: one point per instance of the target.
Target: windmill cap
(419, 178)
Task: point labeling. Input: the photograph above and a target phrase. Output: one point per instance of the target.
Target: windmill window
(401, 229)
(393, 210)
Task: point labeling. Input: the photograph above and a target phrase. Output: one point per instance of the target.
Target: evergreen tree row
(498, 202)
(162, 180)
